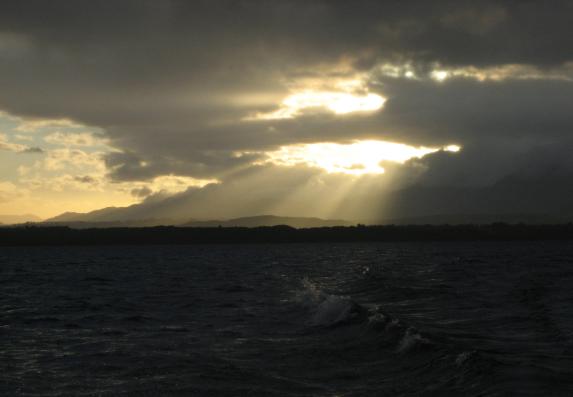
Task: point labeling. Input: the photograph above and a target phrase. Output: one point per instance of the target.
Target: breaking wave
(330, 310)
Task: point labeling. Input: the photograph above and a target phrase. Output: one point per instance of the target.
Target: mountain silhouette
(270, 220)
(91, 220)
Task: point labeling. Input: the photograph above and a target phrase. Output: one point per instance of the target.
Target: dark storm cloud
(170, 81)
(461, 32)
(506, 114)
(467, 110)
(200, 164)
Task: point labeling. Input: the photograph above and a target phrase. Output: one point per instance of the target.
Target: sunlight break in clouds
(505, 72)
(336, 102)
(357, 158)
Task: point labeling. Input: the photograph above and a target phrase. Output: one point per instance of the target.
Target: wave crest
(327, 310)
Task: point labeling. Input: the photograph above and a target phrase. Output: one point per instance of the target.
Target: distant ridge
(78, 224)
(270, 220)
(87, 221)
(101, 215)
(101, 219)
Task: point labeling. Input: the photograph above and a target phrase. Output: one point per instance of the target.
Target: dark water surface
(395, 319)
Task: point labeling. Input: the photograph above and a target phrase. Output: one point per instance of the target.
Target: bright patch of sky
(338, 96)
(440, 73)
(356, 158)
(51, 166)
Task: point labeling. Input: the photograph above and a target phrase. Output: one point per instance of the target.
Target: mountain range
(79, 221)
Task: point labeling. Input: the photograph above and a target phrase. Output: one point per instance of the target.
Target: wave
(326, 309)
(382, 345)
(411, 339)
(330, 310)
(371, 324)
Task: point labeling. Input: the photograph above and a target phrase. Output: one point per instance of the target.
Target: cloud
(35, 125)
(33, 150)
(174, 85)
(72, 139)
(23, 137)
(9, 191)
(141, 192)
(11, 147)
(16, 147)
(85, 179)
(67, 158)
(475, 20)
(13, 45)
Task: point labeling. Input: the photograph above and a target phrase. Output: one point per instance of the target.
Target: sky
(338, 109)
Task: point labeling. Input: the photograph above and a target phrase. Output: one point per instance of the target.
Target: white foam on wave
(376, 317)
(333, 310)
(410, 340)
(463, 357)
(326, 309)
